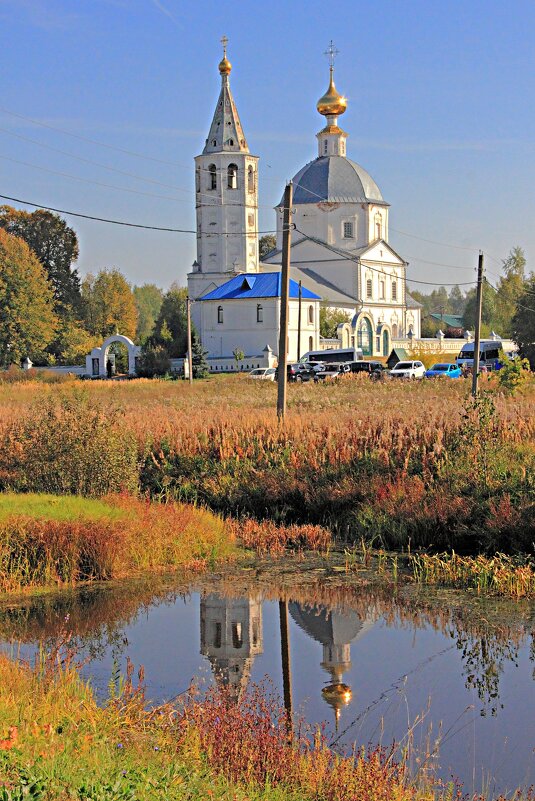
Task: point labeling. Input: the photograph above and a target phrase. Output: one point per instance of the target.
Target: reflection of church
(231, 636)
(335, 630)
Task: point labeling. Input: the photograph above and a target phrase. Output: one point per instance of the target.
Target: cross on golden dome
(224, 65)
(332, 103)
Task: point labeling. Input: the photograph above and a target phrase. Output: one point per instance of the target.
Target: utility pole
(299, 321)
(285, 290)
(286, 665)
(477, 334)
(190, 360)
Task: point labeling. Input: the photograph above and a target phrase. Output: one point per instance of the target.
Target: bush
(70, 447)
(154, 361)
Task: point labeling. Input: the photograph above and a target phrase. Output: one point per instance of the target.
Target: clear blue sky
(441, 113)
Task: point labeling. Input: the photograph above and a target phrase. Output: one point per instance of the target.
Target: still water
(455, 672)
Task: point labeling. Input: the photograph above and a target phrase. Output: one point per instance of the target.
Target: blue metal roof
(257, 285)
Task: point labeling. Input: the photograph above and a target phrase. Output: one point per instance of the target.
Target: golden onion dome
(332, 103)
(225, 66)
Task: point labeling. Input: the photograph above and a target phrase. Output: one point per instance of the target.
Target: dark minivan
(375, 370)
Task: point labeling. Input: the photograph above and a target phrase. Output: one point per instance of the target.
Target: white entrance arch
(96, 360)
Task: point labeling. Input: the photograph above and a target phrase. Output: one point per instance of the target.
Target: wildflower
(119, 745)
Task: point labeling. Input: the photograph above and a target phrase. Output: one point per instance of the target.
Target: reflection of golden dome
(225, 66)
(337, 695)
(332, 102)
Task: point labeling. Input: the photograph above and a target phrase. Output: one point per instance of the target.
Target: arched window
(198, 180)
(232, 174)
(325, 146)
(212, 181)
(231, 142)
(220, 314)
(369, 288)
(394, 330)
(394, 290)
(259, 313)
(382, 289)
(250, 178)
(311, 343)
(378, 226)
(311, 315)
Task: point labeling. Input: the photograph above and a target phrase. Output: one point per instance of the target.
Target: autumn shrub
(268, 537)
(70, 446)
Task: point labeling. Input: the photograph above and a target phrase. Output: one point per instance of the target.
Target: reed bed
(59, 744)
(499, 575)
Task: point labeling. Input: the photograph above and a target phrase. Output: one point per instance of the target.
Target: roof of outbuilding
(334, 179)
(257, 285)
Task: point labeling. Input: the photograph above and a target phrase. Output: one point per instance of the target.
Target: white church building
(340, 254)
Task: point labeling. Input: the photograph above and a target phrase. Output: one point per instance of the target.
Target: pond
(436, 671)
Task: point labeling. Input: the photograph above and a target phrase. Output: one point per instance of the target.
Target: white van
(489, 354)
(332, 355)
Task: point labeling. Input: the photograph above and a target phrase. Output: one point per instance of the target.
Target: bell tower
(226, 198)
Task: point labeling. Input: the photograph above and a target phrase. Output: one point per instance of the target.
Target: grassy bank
(51, 540)
(397, 463)
(57, 743)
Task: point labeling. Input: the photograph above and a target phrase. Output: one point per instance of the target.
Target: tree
(239, 356)
(198, 359)
(330, 319)
(154, 361)
(488, 310)
(456, 300)
(56, 247)
(171, 327)
(509, 289)
(266, 244)
(148, 299)
(523, 322)
(28, 322)
(72, 342)
(108, 304)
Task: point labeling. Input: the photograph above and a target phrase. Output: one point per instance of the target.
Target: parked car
(375, 370)
(331, 371)
(263, 373)
(408, 370)
(444, 370)
(297, 372)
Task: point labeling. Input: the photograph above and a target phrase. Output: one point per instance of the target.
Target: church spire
(226, 133)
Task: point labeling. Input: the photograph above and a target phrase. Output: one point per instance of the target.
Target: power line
(374, 269)
(432, 241)
(116, 170)
(121, 222)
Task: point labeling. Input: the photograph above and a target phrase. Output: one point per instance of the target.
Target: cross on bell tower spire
(224, 42)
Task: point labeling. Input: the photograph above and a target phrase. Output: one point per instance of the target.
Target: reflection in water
(231, 636)
(335, 630)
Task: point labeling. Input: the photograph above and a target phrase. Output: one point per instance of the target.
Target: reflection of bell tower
(335, 630)
(231, 636)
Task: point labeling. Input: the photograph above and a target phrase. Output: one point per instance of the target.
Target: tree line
(53, 316)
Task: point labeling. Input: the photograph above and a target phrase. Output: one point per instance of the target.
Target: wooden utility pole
(299, 321)
(285, 289)
(286, 665)
(477, 334)
(190, 360)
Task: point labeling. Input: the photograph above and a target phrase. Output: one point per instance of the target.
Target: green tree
(239, 356)
(456, 300)
(198, 359)
(108, 304)
(171, 327)
(56, 247)
(28, 321)
(266, 243)
(154, 361)
(509, 289)
(148, 299)
(330, 319)
(72, 342)
(523, 322)
(488, 309)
